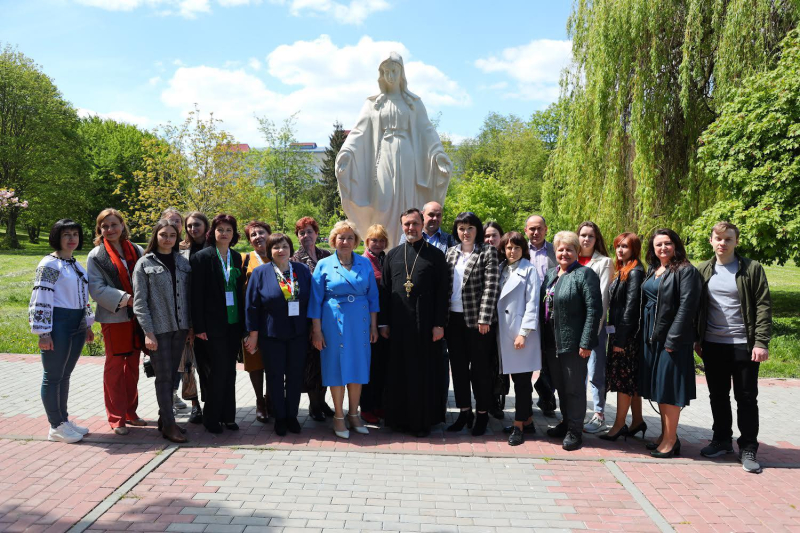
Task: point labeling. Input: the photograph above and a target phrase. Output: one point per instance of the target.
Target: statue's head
(391, 73)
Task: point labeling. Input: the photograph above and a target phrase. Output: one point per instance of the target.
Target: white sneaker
(64, 433)
(594, 425)
(80, 430)
(177, 403)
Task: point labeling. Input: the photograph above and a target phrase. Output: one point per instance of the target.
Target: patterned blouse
(301, 256)
(57, 283)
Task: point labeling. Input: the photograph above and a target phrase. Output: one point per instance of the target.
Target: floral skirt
(622, 368)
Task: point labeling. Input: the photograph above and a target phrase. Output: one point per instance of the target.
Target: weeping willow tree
(647, 78)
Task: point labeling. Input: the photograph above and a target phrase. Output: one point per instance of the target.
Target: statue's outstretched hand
(444, 163)
(342, 162)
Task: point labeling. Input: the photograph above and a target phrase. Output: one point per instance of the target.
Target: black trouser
(523, 393)
(544, 388)
(166, 359)
(220, 389)
(372, 392)
(725, 363)
(470, 362)
(284, 361)
(568, 372)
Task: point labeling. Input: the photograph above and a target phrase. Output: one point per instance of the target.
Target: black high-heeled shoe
(641, 427)
(676, 450)
(465, 418)
(481, 421)
(623, 432)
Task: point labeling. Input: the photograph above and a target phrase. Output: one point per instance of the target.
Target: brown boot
(173, 433)
(261, 410)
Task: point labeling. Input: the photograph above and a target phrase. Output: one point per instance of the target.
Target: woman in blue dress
(344, 321)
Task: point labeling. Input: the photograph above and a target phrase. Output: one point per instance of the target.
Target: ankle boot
(173, 433)
(465, 418)
(481, 421)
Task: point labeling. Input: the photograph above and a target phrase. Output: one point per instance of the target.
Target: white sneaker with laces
(64, 433)
(177, 403)
(80, 430)
(594, 425)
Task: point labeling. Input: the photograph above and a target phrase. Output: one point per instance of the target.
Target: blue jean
(69, 336)
(597, 373)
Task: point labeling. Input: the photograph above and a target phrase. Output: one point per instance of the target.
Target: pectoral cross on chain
(408, 285)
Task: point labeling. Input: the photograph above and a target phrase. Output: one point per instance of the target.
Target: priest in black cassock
(415, 301)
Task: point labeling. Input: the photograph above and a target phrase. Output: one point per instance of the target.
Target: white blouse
(58, 283)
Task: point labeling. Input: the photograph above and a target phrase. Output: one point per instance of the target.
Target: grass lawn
(16, 279)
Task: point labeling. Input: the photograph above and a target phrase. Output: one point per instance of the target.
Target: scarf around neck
(130, 258)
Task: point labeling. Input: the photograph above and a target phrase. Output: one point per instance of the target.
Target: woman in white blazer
(517, 330)
(593, 254)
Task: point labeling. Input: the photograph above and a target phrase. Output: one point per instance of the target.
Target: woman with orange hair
(624, 341)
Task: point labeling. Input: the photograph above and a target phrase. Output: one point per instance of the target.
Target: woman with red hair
(624, 340)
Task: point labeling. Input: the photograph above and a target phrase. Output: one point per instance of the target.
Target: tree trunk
(11, 229)
(33, 232)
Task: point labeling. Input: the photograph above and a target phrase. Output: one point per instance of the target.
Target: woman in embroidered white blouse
(60, 314)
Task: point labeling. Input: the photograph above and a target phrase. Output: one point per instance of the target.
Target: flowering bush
(8, 199)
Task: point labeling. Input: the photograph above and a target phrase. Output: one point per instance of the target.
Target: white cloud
(536, 67)
(119, 116)
(155, 80)
(254, 63)
(326, 83)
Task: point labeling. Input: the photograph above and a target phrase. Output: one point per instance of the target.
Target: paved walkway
(252, 480)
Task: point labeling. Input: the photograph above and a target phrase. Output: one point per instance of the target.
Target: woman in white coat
(517, 330)
(593, 254)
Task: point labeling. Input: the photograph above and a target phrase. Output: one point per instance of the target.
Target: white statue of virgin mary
(393, 158)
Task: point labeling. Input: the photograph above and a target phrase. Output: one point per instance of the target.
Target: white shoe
(341, 434)
(80, 430)
(358, 429)
(64, 433)
(177, 403)
(595, 424)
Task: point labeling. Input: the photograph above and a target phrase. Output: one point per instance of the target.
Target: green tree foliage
(331, 201)
(752, 151)
(39, 145)
(487, 197)
(648, 77)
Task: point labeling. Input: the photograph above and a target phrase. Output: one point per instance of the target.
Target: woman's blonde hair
(104, 214)
(567, 237)
(341, 227)
(377, 232)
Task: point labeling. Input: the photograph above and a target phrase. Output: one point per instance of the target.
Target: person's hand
(698, 349)
(384, 332)
(483, 329)
(584, 352)
(373, 334)
(251, 342)
(130, 301)
(342, 162)
(438, 333)
(46, 342)
(617, 349)
(89, 335)
(444, 163)
(760, 355)
(519, 342)
(669, 350)
(202, 336)
(150, 342)
(318, 339)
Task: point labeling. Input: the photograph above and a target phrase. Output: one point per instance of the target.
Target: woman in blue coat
(276, 316)
(344, 321)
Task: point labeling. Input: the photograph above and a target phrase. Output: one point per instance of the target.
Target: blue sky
(149, 61)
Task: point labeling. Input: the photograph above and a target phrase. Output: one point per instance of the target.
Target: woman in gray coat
(161, 304)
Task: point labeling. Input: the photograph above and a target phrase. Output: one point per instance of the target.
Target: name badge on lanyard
(229, 301)
(226, 271)
(294, 308)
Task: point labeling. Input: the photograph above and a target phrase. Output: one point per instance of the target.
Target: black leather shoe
(197, 415)
(293, 425)
(421, 434)
(233, 426)
(548, 409)
(213, 428)
(316, 415)
(558, 432)
(527, 428)
(280, 427)
(497, 413)
(676, 450)
(465, 418)
(572, 441)
(481, 421)
(623, 432)
(326, 409)
(516, 438)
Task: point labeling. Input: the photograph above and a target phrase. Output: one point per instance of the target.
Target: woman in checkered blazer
(475, 281)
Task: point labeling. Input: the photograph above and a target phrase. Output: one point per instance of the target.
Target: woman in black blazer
(277, 305)
(218, 320)
(475, 279)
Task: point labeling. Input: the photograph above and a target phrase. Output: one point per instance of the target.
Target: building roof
(242, 147)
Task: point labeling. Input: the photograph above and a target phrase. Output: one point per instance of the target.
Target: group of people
(389, 328)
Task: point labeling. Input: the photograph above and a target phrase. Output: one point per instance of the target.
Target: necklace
(408, 285)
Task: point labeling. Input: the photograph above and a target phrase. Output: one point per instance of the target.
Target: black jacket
(623, 312)
(677, 304)
(209, 313)
(577, 308)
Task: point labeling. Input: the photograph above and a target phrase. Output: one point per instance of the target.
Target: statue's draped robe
(393, 166)
(414, 395)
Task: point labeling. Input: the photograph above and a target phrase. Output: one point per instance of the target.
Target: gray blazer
(104, 289)
(154, 295)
